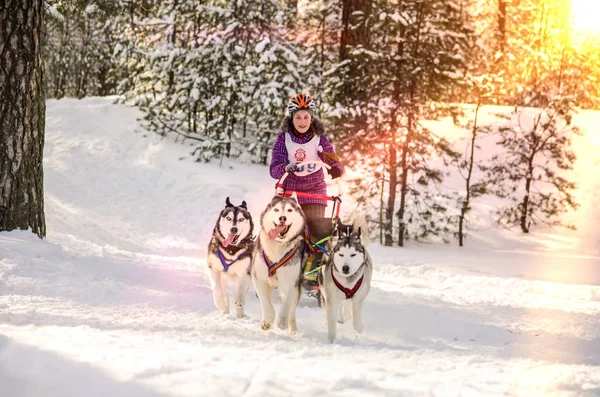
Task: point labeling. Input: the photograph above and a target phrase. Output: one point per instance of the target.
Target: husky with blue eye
(345, 279)
(230, 256)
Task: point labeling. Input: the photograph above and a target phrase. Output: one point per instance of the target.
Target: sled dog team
(277, 258)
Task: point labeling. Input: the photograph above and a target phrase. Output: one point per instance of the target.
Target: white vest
(300, 152)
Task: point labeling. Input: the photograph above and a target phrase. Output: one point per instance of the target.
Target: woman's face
(302, 121)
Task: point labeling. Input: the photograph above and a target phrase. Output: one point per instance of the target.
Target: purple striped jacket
(313, 183)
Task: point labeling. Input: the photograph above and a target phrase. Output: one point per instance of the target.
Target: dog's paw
(223, 311)
(239, 312)
(265, 325)
(282, 323)
(222, 306)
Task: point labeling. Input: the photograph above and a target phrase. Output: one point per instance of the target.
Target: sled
(318, 233)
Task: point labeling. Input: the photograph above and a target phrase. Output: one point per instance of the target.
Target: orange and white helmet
(300, 102)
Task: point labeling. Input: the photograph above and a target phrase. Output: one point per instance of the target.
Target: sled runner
(319, 231)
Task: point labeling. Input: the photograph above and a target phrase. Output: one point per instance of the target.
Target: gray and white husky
(279, 260)
(230, 256)
(345, 279)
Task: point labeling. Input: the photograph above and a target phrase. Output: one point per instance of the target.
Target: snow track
(116, 301)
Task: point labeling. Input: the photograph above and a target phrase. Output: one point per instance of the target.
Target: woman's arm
(327, 147)
(279, 157)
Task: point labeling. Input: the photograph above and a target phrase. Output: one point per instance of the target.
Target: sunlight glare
(585, 14)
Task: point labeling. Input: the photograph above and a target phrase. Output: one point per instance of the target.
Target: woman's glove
(291, 168)
(334, 172)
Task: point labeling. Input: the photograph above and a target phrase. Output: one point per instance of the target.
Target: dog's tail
(357, 220)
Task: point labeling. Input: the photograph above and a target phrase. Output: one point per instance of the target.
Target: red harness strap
(349, 292)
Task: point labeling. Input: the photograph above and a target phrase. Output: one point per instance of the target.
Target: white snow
(116, 300)
(260, 47)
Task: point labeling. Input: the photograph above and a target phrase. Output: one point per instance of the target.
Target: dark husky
(230, 256)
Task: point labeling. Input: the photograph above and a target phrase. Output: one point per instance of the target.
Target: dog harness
(274, 266)
(349, 292)
(311, 247)
(226, 265)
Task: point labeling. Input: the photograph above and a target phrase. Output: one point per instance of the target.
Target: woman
(303, 139)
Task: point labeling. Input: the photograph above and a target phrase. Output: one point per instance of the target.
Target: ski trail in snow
(118, 297)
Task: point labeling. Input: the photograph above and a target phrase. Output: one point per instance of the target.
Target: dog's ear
(228, 203)
(244, 205)
(358, 232)
(338, 227)
(294, 196)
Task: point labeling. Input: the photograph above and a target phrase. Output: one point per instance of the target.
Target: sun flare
(585, 15)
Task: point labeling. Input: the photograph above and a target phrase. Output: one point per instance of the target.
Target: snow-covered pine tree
(60, 45)
(275, 68)
(218, 73)
(420, 57)
(170, 52)
(157, 54)
(349, 105)
(478, 87)
(537, 140)
(320, 22)
(350, 90)
(135, 28)
(105, 37)
(79, 48)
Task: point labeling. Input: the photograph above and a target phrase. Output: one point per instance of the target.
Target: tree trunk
(381, 231)
(172, 41)
(409, 134)
(389, 213)
(404, 181)
(467, 201)
(525, 203)
(354, 33)
(83, 66)
(393, 152)
(320, 88)
(62, 66)
(22, 116)
(502, 25)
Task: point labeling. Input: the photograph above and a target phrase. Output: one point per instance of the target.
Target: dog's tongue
(273, 233)
(228, 240)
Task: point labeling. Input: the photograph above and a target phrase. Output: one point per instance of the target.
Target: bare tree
(22, 116)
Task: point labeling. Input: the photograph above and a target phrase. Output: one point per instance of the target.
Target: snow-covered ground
(116, 301)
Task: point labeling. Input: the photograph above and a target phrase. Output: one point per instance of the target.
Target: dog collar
(274, 266)
(349, 292)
